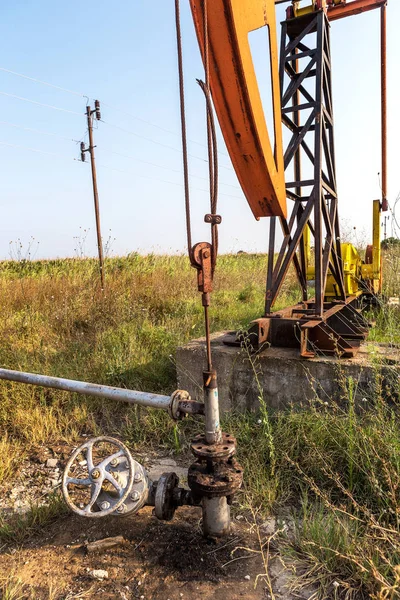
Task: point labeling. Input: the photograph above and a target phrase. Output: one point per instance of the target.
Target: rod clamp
(202, 260)
(210, 379)
(213, 219)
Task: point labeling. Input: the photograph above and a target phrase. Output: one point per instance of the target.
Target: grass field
(336, 469)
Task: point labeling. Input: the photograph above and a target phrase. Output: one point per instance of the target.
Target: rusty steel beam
(339, 331)
(346, 9)
(355, 7)
(309, 209)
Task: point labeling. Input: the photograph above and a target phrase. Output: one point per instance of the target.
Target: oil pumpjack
(102, 478)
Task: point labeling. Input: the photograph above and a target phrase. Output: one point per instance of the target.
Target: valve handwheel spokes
(112, 477)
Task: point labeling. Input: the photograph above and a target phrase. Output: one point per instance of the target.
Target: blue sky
(124, 54)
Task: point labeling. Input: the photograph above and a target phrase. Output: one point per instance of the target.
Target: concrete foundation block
(284, 378)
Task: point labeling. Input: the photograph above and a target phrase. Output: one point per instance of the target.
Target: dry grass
(337, 467)
(55, 320)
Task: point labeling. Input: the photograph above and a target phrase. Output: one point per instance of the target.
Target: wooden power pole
(90, 149)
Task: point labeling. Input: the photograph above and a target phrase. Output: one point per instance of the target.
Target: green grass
(55, 320)
(337, 468)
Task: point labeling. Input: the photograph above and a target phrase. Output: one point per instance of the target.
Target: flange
(224, 479)
(222, 450)
(165, 505)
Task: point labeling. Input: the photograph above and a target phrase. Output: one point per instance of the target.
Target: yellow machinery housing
(359, 275)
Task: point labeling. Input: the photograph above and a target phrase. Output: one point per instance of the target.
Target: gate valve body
(102, 478)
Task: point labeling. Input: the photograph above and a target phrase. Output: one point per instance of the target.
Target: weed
(21, 526)
(336, 466)
(12, 588)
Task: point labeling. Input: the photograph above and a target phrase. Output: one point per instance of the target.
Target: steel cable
(211, 140)
(213, 161)
(183, 129)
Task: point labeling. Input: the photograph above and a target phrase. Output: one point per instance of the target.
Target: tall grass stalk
(337, 466)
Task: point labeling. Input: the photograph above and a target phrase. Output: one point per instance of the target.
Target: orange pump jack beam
(258, 165)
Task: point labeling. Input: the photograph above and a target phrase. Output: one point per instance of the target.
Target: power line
(167, 168)
(112, 151)
(38, 131)
(128, 114)
(19, 147)
(41, 104)
(162, 180)
(157, 126)
(37, 150)
(57, 87)
(143, 137)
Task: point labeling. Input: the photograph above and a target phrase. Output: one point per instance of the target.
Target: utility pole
(385, 220)
(90, 149)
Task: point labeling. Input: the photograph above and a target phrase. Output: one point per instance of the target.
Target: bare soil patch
(157, 561)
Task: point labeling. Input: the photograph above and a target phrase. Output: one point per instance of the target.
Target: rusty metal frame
(339, 333)
(347, 9)
(355, 7)
(308, 116)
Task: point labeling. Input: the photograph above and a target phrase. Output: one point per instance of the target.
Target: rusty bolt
(213, 219)
(121, 509)
(206, 254)
(114, 462)
(135, 496)
(95, 474)
(138, 477)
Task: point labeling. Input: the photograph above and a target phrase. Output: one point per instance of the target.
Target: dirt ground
(157, 561)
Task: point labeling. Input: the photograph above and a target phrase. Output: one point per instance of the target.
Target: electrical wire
(111, 106)
(124, 112)
(61, 137)
(38, 151)
(39, 131)
(236, 187)
(57, 87)
(143, 137)
(72, 112)
(160, 180)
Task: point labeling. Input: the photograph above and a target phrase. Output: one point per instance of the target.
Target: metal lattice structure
(307, 113)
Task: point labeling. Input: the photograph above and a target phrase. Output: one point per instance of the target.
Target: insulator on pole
(97, 109)
(83, 150)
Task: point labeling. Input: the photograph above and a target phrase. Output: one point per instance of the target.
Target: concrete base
(284, 377)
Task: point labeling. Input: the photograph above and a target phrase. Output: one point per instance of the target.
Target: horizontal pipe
(90, 389)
